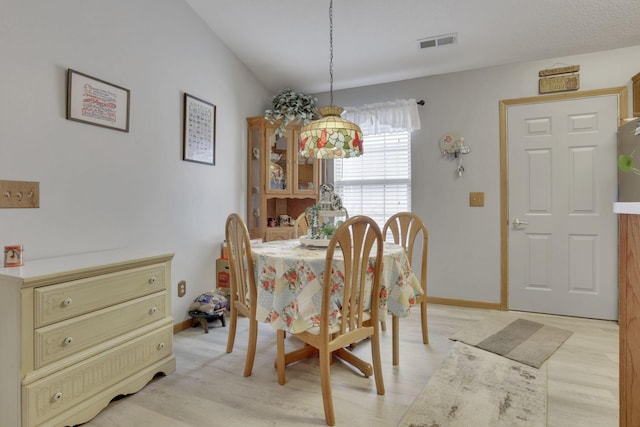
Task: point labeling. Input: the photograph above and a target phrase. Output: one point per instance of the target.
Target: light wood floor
(208, 388)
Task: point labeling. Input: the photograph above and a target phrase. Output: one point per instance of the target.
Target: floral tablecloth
(290, 278)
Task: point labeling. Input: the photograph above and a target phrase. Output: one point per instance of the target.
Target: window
(378, 183)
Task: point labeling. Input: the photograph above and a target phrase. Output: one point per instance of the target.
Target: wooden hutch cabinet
(280, 182)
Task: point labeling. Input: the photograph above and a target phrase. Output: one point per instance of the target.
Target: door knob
(517, 222)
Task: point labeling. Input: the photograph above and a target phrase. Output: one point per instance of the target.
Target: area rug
(473, 387)
(522, 340)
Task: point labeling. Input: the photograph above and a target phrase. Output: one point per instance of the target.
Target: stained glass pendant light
(330, 136)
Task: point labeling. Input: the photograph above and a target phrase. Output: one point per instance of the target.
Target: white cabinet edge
(627, 208)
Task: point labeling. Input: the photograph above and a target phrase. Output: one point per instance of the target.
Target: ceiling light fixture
(331, 136)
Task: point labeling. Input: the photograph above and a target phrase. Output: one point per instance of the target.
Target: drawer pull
(161, 346)
(67, 302)
(153, 310)
(56, 397)
(67, 341)
(153, 280)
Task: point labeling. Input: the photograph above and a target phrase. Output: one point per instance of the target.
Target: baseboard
(178, 327)
(464, 303)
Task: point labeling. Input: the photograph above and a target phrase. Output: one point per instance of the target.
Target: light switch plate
(476, 199)
(19, 194)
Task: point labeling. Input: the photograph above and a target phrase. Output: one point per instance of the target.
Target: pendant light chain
(331, 136)
(331, 52)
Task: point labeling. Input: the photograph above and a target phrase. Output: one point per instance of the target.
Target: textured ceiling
(286, 42)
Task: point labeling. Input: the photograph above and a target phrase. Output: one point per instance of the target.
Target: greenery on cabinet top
(289, 105)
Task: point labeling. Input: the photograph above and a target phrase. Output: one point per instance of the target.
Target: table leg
(302, 353)
(342, 353)
(352, 359)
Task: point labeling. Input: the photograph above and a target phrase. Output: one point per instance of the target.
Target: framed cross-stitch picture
(96, 102)
(199, 144)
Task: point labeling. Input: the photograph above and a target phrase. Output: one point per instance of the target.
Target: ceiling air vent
(442, 40)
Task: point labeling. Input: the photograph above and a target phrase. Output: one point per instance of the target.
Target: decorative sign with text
(563, 79)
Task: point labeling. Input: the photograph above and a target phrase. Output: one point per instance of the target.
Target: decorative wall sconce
(452, 147)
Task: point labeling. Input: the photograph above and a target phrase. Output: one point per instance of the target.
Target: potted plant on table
(289, 105)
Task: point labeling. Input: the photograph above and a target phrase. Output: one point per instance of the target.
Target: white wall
(102, 188)
(464, 242)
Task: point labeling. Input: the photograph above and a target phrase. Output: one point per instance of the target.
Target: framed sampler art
(199, 143)
(97, 102)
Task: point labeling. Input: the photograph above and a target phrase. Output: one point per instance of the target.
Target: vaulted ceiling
(286, 42)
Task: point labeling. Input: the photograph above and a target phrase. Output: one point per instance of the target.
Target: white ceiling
(286, 42)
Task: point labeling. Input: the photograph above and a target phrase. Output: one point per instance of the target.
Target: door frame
(623, 111)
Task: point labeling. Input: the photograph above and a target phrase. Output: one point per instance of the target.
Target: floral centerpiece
(289, 105)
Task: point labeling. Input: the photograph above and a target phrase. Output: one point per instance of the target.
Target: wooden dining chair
(301, 226)
(357, 239)
(406, 228)
(243, 295)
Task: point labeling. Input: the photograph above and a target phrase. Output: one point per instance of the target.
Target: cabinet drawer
(63, 390)
(63, 301)
(62, 339)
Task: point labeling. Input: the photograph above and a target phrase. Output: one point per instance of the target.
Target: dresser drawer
(63, 390)
(63, 339)
(66, 300)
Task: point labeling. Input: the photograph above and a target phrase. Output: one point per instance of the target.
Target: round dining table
(289, 278)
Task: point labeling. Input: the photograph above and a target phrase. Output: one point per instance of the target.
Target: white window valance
(385, 117)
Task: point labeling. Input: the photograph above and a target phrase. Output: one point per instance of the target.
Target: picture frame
(97, 102)
(199, 142)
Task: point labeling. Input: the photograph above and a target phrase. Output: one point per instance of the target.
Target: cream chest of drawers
(77, 331)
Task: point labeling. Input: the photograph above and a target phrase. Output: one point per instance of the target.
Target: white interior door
(562, 180)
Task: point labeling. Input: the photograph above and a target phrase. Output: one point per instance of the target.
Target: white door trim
(623, 108)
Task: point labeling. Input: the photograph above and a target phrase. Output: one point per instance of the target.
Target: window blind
(378, 183)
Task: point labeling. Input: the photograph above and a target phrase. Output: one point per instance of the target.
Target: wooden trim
(464, 303)
(623, 250)
(623, 111)
(504, 210)
(181, 326)
(635, 85)
(621, 91)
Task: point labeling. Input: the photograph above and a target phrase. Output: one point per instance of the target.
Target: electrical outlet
(182, 288)
(19, 194)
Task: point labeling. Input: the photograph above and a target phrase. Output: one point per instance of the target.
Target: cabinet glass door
(254, 209)
(278, 171)
(306, 175)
